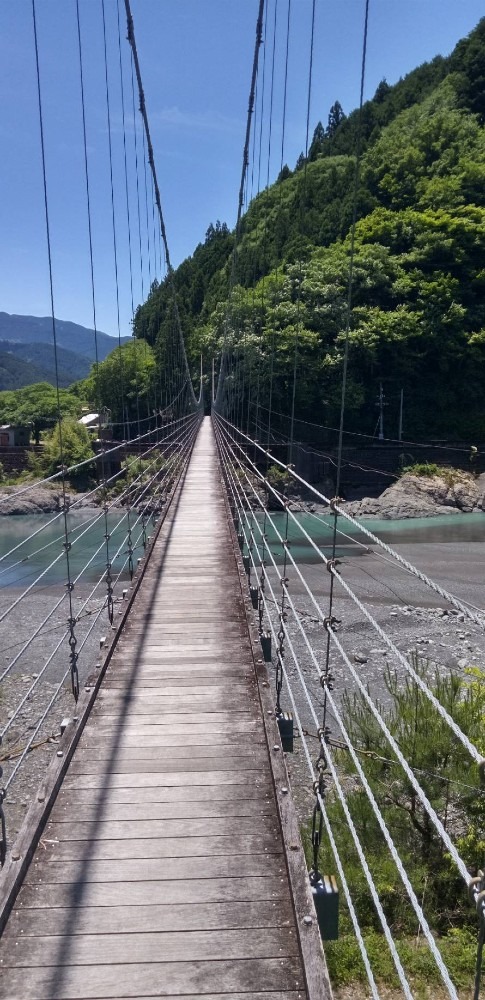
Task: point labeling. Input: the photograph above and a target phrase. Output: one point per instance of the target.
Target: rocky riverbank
(38, 499)
(424, 496)
(49, 499)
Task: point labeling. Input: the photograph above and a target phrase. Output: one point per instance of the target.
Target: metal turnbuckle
(285, 726)
(324, 887)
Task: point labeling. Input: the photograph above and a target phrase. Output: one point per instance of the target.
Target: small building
(98, 423)
(15, 435)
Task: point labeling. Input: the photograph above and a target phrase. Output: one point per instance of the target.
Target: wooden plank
(146, 764)
(106, 829)
(172, 737)
(155, 869)
(169, 794)
(219, 996)
(169, 892)
(172, 946)
(136, 919)
(165, 719)
(181, 666)
(161, 693)
(184, 779)
(157, 707)
(57, 848)
(169, 614)
(229, 755)
(75, 808)
(204, 662)
(202, 630)
(118, 683)
(178, 978)
(199, 729)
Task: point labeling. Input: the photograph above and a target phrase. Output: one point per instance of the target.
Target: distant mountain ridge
(70, 336)
(27, 352)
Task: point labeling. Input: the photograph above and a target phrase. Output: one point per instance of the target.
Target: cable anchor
(317, 826)
(3, 826)
(476, 889)
(130, 549)
(109, 596)
(324, 887)
(73, 658)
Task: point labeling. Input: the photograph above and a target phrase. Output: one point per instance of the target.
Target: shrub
(430, 469)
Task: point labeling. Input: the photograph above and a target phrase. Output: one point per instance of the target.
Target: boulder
(37, 500)
(421, 496)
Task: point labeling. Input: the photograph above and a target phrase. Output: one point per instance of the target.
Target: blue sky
(196, 61)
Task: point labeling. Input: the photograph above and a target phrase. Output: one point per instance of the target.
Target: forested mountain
(27, 353)
(70, 336)
(27, 364)
(418, 309)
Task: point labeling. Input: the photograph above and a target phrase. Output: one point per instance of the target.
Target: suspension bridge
(160, 855)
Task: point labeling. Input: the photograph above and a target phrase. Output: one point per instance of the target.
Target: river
(36, 549)
(449, 529)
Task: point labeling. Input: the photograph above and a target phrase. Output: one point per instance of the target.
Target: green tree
(68, 444)
(383, 90)
(445, 771)
(39, 406)
(317, 143)
(335, 118)
(125, 382)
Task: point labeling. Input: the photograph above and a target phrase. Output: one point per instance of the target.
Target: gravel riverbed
(33, 680)
(416, 619)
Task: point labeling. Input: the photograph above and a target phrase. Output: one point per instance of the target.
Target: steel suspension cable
(469, 746)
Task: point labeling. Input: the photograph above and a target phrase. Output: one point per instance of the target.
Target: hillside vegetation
(418, 307)
(27, 352)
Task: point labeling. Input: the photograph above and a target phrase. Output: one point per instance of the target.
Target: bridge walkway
(162, 869)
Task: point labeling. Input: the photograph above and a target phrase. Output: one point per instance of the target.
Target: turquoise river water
(21, 567)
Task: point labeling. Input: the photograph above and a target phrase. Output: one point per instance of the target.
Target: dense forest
(417, 321)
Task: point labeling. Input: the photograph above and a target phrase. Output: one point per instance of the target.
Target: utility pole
(381, 405)
(401, 405)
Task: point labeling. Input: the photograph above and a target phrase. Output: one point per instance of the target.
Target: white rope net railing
(314, 671)
(62, 581)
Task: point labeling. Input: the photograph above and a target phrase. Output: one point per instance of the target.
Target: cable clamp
(319, 785)
(332, 564)
(323, 733)
(326, 681)
(3, 828)
(476, 889)
(331, 623)
(333, 502)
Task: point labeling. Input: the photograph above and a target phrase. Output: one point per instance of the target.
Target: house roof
(89, 418)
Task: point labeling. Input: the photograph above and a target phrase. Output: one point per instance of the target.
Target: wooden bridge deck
(162, 871)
